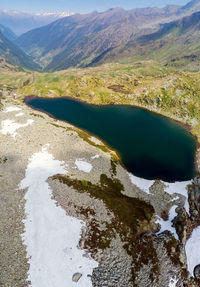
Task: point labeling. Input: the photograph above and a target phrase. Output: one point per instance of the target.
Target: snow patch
(143, 184)
(173, 282)
(176, 188)
(51, 237)
(167, 225)
(11, 109)
(179, 188)
(83, 165)
(170, 188)
(10, 127)
(19, 114)
(95, 156)
(192, 250)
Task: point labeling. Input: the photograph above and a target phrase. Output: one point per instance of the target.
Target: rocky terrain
(133, 232)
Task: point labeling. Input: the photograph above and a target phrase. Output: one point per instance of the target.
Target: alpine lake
(149, 145)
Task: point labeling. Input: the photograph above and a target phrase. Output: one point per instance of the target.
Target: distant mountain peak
(55, 14)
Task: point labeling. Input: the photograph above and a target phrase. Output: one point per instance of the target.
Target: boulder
(197, 272)
(76, 277)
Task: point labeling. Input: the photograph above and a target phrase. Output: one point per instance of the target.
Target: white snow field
(192, 250)
(143, 184)
(51, 237)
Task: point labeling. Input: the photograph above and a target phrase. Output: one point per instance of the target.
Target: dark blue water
(150, 146)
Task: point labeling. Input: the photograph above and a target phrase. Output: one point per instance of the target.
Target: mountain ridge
(81, 38)
(175, 44)
(84, 40)
(8, 33)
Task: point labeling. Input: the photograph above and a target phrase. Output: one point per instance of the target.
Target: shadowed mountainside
(14, 55)
(8, 33)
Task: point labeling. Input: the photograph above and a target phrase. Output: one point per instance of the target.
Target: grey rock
(76, 277)
(194, 198)
(197, 272)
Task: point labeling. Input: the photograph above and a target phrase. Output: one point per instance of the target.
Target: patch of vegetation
(86, 137)
(36, 115)
(84, 182)
(109, 190)
(97, 238)
(173, 251)
(144, 253)
(114, 161)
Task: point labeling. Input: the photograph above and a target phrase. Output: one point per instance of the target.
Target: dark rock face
(197, 272)
(179, 223)
(194, 198)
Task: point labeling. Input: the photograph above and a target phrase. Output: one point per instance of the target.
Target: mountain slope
(78, 39)
(20, 22)
(192, 6)
(8, 33)
(83, 40)
(176, 43)
(15, 55)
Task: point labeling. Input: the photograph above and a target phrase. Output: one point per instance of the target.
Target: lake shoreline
(184, 125)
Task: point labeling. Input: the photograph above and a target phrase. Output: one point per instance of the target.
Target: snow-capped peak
(55, 14)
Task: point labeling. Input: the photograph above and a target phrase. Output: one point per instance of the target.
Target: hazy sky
(81, 6)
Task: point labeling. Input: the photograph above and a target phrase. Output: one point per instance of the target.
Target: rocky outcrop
(194, 198)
